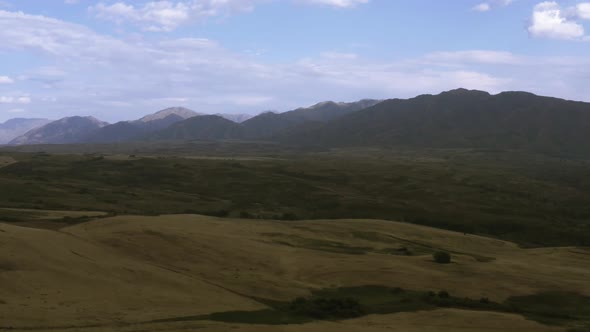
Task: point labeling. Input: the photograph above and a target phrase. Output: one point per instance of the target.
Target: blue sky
(118, 60)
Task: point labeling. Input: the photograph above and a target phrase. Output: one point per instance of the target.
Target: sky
(122, 59)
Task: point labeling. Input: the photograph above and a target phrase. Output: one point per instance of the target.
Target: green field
(534, 200)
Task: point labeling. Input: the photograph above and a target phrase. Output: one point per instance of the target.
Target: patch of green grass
(553, 307)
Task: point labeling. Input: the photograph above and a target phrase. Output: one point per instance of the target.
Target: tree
(442, 257)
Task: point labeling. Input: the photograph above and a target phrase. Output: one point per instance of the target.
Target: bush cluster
(324, 308)
(442, 257)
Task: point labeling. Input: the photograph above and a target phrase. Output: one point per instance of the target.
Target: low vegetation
(533, 200)
(442, 257)
(341, 303)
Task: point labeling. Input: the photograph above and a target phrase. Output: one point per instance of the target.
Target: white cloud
(71, 2)
(583, 10)
(15, 100)
(475, 56)
(550, 21)
(339, 56)
(17, 110)
(6, 80)
(336, 3)
(116, 79)
(169, 15)
(489, 5)
(166, 15)
(482, 7)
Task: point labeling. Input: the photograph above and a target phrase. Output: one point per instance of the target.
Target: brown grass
(118, 273)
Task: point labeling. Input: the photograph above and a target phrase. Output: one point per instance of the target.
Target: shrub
(397, 290)
(289, 216)
(430, 294)
(324, 308)
(443, 294)
(442, 257)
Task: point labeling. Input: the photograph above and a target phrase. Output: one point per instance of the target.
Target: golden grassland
(122, 273)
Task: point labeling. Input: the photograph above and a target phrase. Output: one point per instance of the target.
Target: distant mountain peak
(324, 103)
(464, 92)
(182, 112)
(16, 127)
(75, 118)
(70, 129)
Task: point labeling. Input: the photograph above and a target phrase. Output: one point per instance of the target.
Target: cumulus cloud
(550, 20)
(6, 80)
(489, 5)
(482, 7)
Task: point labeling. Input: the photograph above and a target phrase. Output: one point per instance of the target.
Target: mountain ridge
(461, 118)
(71, 129)
(13, 128)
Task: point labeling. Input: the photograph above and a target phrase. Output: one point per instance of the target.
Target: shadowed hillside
(461, 119)
(268, 124)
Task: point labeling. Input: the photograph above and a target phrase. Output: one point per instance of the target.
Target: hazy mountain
(180, 112)
(13, 128)
(261, 126)
(268, 124)
(67, 130)
(131, 130)
(461, 119)
(238, 118)
(204, 127)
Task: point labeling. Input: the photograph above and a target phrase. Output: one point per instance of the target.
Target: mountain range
(454, 119)
(179, 123)
(461, 119)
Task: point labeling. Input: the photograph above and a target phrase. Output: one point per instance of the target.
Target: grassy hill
(183, 272)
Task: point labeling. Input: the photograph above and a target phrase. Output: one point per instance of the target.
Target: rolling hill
(188, 272)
